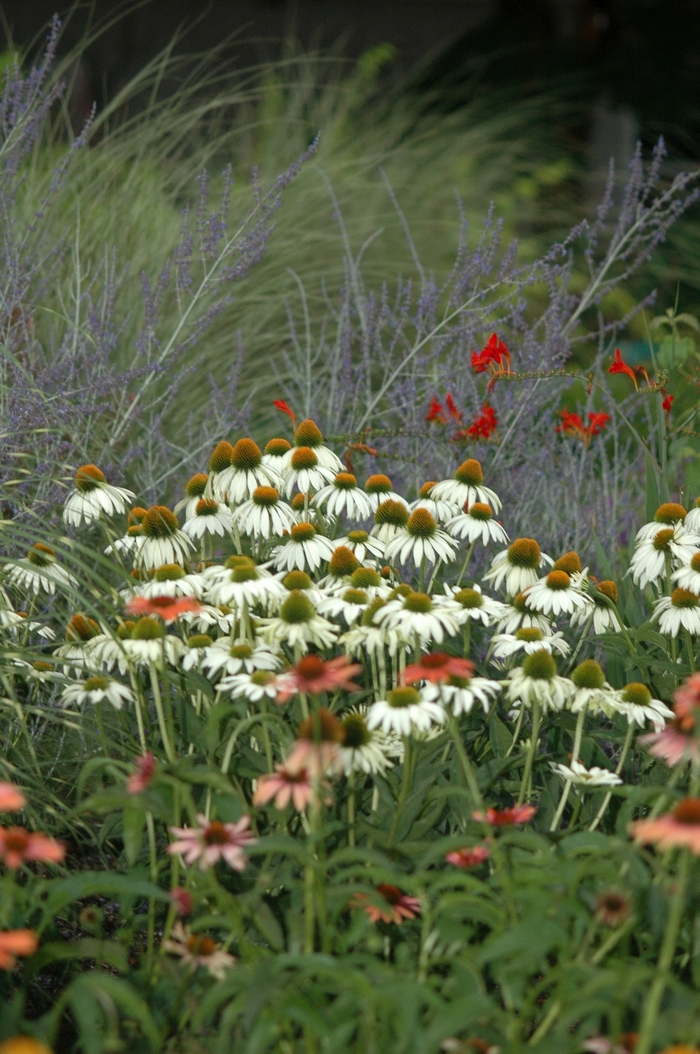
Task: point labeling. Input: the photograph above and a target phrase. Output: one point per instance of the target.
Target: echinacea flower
(366, 749)
(578, 774)
(516, 567)
(635, 701)
(476, 524)
(472, 856)
(11, 798)
(148, 643)
(97, 689)
(299, 624)
(19, 846)
(14, 943)
(313, 675)
(517, 615)
(648, 564)
(467, 487)
(165, 607)
(604, 596)
(537, 681)
(362, 545)
(556, 595)
(40, 571)
(213, 841)
(440, 510)
(349, 605)
(415, 615)
(591, 690)
(264, 514)
(390, 520)
(343, 497)
(194, 492)
(469, 604)
(304, 471)
(163, 541)
(612, 908)
(379, 489)
(679, 611)
(391, 906)
(285, 787)
(245, 584)
(255, 686)
(688, 576)
(515, 814)
(421, 539)
(171, 580)
(679, 740)
(404, 712)
(670, 514)
(459, 694)
(235, 472)
(316, 746)
(139, 780)
(304, 549)
(210, 518)
(93, 496)
(308, 435)
(195, 950)
(678, 828)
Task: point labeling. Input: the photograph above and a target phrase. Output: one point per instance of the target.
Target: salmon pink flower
(19, 846)
(506, 817)
(619, 366)
(167, 608)
(681, 827)
(285, 786)
(395, 906)
(14, 943)
(11, 799)
(139, 780)
(679, 741)
(472, 856)
(213, 841)
(182, 900)
(438, 666)
(312, 675)
(317, 748)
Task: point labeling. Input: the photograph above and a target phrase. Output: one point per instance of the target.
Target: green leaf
(102, 951)
(91, 883)
(133, 827)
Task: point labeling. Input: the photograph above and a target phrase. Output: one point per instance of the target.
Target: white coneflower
(638, 705)
(13, 620)
(517, 615)
(308, 435)
(416, 615)
(163, 541)
(350, 605)
(578, 774)
(254, 686)
(405, 711)
(516, 567)
(83, 635)
(235, 472)
(537, 681)
(274, 451)
(197, 644)
(592, 691)
(298, 581)
(344, 498)
(95, 690)
(459, 694)
(440, 510)
(466, 487)
(298, 624)
(341, 565)
(264, 515)
(688, 576)
(604, 615)
(210, 517)
(245, 584)
(238, 656)
(38, 572)
(194, 492)
(679, 611)
(171, 580)
(670, 514)
(369, 580)
(362, 545)
(470, 604)
(527, 641)
(555, 595)
(305, 473)
(421, 539)
(476, 525)
(148, 643)
(648, 564)
(379, 488)
(390, 520)
(93, 496)
(366, 636)
(133, 539)
(303, 549)
(692, 518)
(364, 749)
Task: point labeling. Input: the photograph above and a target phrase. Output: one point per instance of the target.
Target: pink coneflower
(678, 741)
(612, 908)
(139, 780)
(183, 901)
(316, 749)
(313, 675)
(14, 943)
(167, 608)
(213, 841)
(11, 799)
(681, 827)
(18, 846)
(472, 856)
(196, 949)
(506, 817)
(285, 786)
(438, 666)
(396, 907)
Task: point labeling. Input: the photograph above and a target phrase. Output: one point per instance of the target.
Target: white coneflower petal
(416, 615)
(516, 567)
(468, 603)
(94, 496)
(537, 681)
(476, 525)
(555, 595)
(527, 641)
(578, 774)
(264, 515)
(210, 517)
(421, 539)
(236, 471)
(40, 572)
(344, 498)
(404, 712)
(364, 547)
(466, 487)
(303, 550)
(163, 541)
(670, 514)
(648, 564)
(305, 472)
(95, 690)
(679, 611)
(194, 491)
(365, 749)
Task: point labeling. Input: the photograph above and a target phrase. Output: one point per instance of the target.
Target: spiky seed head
(421, 524)
(343, 561)
(246, 455)
(241, 651)
(148, 628)
(524, 552)
(88, 477)
(299, 501)
(390, 511)
(569, 562)
(125, 629)
(195, 486)
(479, 510)
(80, 627)
(245, 573)
(683, 598)
(401, 590)
(558, 580)
(265, 496)
(238, 560)
(277, 447)
(670, 512)
(222, 457)
(96, 684)
(403, 696)
(303, 532)
(371, 610)
(425, 490)
(662, 538)
(519, 602)
(470, 472)
(356, 731)
(262, 677)
(206, 507)
(159, 522)
(529, 634)
(303, 457)
(297, 580)
(135, 516)
(588, 674)
(418, 602)
(378, 484)
(687, 811)
(355, 596)
(168, 573)
(634, 692)
(469, 598)
(364, 578)
(199, 640)
(345, 481)
(297, 608)
(608, 588)
(308, 434)
(41, 555)
(540, 666)
(357, 536)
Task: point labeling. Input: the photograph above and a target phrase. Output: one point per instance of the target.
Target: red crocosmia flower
(667, 404)
(506, 817)
(286, 409)
(167, 608)
(572, 425)
(435, 413)
(492, 355)
(396, 905)
(470, 857)
(438, 666)
(618, 366)
(312, 675)
(18, 846)
(451, 408)
(14, 943)
(483, 425)
(597, 423)
(139, 780)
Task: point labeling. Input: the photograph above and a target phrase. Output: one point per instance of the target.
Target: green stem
(466, 765)
(101, 730)
(661, 801)
(623, 757)
(652, 1004)
(405, 787)
(689, 647)
(467, 558)
(167, 745)
(569, 783)
(351, 809)
(530, 757)
(516, 733)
